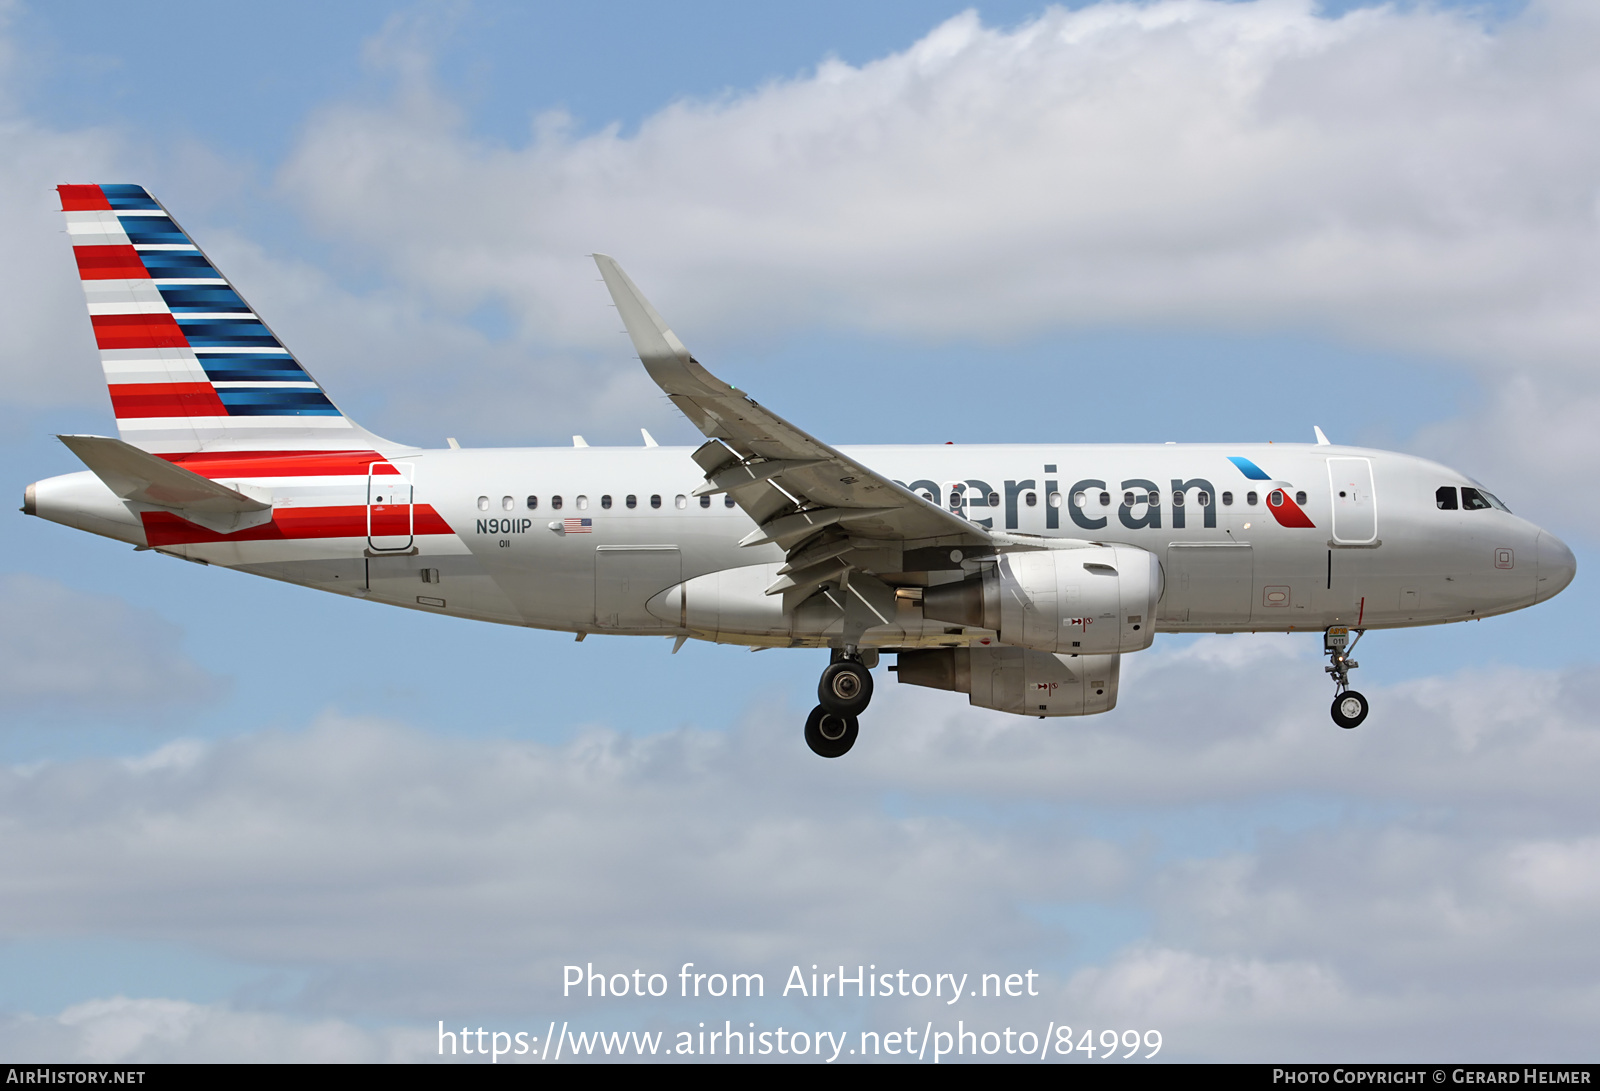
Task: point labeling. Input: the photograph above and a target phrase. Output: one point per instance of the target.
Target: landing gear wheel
(829, 734)
(1349, 709)
(846, 688)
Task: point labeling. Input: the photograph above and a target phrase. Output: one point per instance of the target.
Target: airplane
(1018, 574)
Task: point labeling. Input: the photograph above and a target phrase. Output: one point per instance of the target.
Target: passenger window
(1203, 498)
(1473, 500)
(994, 500)
(583, 503)
(632, 501)
(533, 503)
(1177, 498)
(1105, 500)
(508, 503)
(705, 501)
(1127, 498)
(605, 501)
(727, 500)
(655, 500)
(1252, 498)
(1155, 498)
(680, 501)
(1227, 499)
(1031, 499)
(1054, 500)
(555, 502)
(1445, 498)
(1275, 498)
(1079, 500)
(1300, 497)
(483, 503)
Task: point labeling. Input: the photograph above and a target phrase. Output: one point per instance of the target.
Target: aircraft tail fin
(188, 363)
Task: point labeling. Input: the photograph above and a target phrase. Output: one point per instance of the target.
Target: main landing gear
(843, 694)
(1349, 707)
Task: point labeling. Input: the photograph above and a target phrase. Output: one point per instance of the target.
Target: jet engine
(1093, 600)
(1017, 680)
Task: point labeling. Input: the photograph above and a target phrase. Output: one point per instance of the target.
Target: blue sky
(260, 815)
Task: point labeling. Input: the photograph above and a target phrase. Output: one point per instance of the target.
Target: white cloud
(1288, 876)
(119, 1030)
(1403, 176)
(64, 651)
(1398, 177)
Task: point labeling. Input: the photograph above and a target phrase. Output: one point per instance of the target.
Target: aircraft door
(1355, 507)
(390, 519)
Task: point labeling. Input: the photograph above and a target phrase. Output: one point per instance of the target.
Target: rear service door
(389, 508)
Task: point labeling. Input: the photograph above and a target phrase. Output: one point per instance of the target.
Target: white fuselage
(1383, 555)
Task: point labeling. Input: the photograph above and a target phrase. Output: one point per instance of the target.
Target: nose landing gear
(1349, 707)
(842, 695)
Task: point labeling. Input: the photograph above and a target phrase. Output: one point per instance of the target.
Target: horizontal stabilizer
(143, 478)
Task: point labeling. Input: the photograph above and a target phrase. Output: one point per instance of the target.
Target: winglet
(650, 333)
(1322, 440)
(663, 355)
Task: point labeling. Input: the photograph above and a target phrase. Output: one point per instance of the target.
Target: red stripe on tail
(83, 199)
(137, 331)
(109, 263)
(166, 400)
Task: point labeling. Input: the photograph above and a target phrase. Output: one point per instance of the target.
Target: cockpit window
(1494, 500)
(1473, 500)
(1446, 498)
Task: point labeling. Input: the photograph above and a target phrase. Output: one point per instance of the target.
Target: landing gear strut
(842, 695)
(1349, 707)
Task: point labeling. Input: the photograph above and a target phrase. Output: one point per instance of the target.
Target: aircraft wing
(804, 495)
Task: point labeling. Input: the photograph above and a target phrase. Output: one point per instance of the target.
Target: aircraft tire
(829, 734)
(846, 688)
(1349, 709)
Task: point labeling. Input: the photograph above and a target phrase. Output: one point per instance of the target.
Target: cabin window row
(581, 502)
(1130, 498)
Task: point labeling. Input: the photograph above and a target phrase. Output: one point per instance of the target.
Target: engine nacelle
(1018, 680)
(1094, 600)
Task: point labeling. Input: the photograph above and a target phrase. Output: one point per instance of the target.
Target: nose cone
(1557, 566)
